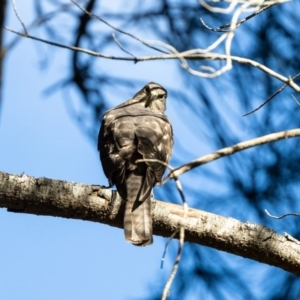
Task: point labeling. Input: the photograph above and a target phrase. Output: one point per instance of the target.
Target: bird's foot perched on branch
(112, 197)
(104, 192)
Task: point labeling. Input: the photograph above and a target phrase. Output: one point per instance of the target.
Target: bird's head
(156, 97)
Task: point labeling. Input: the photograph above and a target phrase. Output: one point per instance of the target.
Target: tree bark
(42, 196)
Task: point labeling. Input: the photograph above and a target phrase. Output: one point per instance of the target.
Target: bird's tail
(137, 218)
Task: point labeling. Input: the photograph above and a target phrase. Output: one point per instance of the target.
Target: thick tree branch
(42, 196)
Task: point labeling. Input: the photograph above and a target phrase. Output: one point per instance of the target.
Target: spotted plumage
(136, 129)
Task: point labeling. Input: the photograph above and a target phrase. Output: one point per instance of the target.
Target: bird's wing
(155, 141)
(115, 143)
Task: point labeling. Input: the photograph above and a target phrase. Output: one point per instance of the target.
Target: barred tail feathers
(137, 218)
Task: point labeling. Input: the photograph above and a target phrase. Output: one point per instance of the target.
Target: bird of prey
(136, 129)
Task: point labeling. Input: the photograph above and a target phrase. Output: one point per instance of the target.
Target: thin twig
(271, 97)
(283, 216)
(166, 248)
(117, 29)
(169, 282)
(174, 270)
(78, 49)
(239, 23)
(155, 160)
(295, 99)
(273, 137)
(18, 17)
(38, 22)
(121, 47)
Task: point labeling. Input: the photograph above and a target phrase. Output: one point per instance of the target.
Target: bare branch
(117, 29)
(245, 6)
(42, 196)
(18, 17)
(271, 97)
(227, 10)
(283, 216)
(273, 137)
(120, 46)
(86, 51)
(166, 248)
(193, 55)
(154, 160)
(295, 99)
(186, 55)
(234, 3)
(239, 23)
(39, 22)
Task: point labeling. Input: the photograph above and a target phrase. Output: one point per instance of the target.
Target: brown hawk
(136, 129)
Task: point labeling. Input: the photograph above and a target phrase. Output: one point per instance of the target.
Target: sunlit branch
(227, 10)
(234, 149)
(239, 23)
(283, 216)
(233, 3)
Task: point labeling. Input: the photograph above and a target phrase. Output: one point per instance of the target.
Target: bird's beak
(149, 100)
(152, 97)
